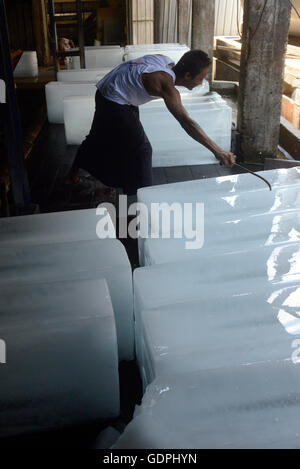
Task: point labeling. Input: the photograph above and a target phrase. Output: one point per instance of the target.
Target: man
(117, 150)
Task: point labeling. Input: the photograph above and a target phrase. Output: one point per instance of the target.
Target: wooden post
(203, 26)
(159, 10)
(41, 32)
(98, 24)
(265, 35)
(183, 21)
(80, 32)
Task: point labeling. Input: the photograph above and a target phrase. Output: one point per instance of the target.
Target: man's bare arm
(163, 86)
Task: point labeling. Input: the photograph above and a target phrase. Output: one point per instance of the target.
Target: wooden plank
(40, 27)
(293, 50)
(290, 138)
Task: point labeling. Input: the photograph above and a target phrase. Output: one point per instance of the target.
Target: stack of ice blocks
(62, 357)
(56, 92)
(240, 213)
(82, 76)
(100, 57)
(172, 146)
(210, 323)
(173, 51)
(252, 406)
(69, 292)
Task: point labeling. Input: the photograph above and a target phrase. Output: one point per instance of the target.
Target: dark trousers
(117, 150)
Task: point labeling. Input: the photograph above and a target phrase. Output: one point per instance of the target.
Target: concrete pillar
(265, 35)
(183, 21)
(41, 32)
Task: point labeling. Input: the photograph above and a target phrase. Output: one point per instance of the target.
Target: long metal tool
(254, 174)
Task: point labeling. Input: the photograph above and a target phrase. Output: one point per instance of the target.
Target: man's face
(191, 82)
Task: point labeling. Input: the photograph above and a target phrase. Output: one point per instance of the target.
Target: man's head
(192, 68)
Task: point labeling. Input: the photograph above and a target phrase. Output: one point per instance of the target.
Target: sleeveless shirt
(124, 85)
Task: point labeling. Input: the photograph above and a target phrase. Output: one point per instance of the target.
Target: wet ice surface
(62, 357)
(64, 246)
(218, 331)
(76, 225)
(257, 289)
(240, 213)
(254, 406)
(79, 260)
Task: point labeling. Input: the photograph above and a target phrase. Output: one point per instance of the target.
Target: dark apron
(117, 150)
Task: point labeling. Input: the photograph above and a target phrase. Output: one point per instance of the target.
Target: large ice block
(239, 213)
(78, 117)
(158, 46)
(245, 273)
(253, 406)
(171, 144)
(102, 46)
(221, 238)
(261, 274)
(27, 65)
(170, 147)
(227, 237)
(99, 57)
(82, 76)
(62, 362)
(224, 186)
(50, 228)
(174, 53)
(218, 332)
(78, 260)
(56, 92)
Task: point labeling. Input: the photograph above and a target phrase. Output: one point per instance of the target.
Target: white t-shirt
(124, 85)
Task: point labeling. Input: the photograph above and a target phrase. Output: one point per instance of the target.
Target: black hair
(193, 62)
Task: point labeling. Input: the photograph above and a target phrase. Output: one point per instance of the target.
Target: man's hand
(226, 158)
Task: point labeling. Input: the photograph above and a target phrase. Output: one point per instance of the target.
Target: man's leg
(139, 171)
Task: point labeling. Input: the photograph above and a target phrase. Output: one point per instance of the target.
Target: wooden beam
(80, 33)
(159, 10)
(183, 21)
(40, 27)
(203, 27)
(265, 36)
